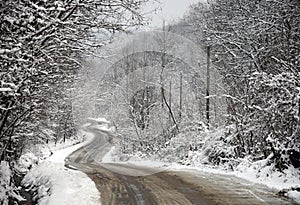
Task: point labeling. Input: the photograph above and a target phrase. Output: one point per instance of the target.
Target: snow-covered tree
(43, 45)
(255, 45)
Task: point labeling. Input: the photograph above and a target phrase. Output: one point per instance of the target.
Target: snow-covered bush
(7, 187)
(5, 177)
(273, 112)
(26, 162)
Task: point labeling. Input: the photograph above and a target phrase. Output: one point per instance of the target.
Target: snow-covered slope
(54, 184)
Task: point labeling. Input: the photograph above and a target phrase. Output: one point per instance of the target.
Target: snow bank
(211, 154)
(101, 124)
(41, 152)
(52, 183)
(294, 195)
(99, 120)
(260, 171)
(104, 128)
(284, 182)
(113, 157)
(60, 155)
(109, 157)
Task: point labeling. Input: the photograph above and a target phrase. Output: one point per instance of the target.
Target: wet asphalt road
(137, 185)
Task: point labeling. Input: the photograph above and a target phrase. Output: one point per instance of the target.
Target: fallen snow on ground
(104, 128)
(253, 171)
(42, 152)
(99, 120)
(60, 155)
(54, 184)
(275, 182)
(109, 157)
(113, 157)
(256, 172)
(261, 173)
(294, 195)
(101, 124)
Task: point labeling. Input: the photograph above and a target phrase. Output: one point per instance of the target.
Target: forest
(250, 92)
(255, 46)
(43, 46)
(224, 81)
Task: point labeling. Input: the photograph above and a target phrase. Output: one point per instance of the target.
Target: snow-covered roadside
(274, 180)
(254, 172)
(55, 184)
(262, 171)
(6, 188)
(113, 157)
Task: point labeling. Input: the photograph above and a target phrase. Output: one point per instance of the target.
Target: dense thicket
(256, 47)
(43, 44)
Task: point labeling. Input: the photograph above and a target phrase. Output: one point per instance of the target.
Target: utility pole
(163, 64)
(207, 85)
(180, 96)
(170, 99)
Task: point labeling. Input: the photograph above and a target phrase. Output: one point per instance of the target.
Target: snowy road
(117, 184)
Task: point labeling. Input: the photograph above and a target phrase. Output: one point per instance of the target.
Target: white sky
(170, 10)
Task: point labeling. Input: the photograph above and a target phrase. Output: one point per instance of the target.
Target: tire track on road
(162, 188)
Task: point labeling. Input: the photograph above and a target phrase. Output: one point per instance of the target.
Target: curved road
(119, 183)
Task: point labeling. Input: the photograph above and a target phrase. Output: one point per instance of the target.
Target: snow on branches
(43, 44)
(255, 45)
